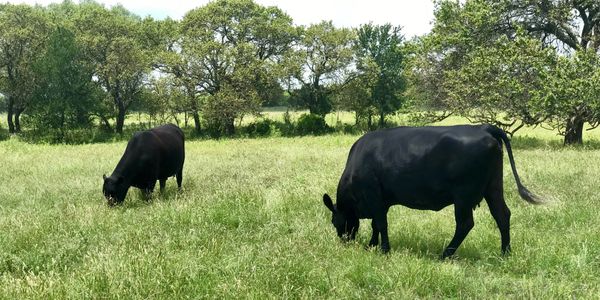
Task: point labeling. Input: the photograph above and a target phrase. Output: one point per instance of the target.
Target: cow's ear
(104, 177)
(328, 202)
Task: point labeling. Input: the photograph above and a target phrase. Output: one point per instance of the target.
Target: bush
(259, 128)
(3, 134)
(311, 124)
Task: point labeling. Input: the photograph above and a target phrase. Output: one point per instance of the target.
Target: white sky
(415, 16)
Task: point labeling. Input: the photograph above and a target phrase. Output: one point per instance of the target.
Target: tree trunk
(381, 119)
(120, 120)
(194, 105)
(195, 114)
(18, 112)
(120, 115)
(574, 131)
(197, 125)
(230, 127)
(10, 112)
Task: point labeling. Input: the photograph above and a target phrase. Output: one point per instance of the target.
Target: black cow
(151, 155)
(426, 168)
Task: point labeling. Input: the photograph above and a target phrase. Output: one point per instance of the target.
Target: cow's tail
(501, 136)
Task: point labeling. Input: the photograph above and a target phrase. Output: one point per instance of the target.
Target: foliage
(264, 127)
(574, 91)
(2, 103)
(568, 27)
(22, 35)
(228, 104)
(163, 101)
(503, 84)
(63, 96)
(469, 52)
(311, 124)
(233, 48)
(380, 59)
(425, 73)
(355, 96)
(324, 53)
(114, 46)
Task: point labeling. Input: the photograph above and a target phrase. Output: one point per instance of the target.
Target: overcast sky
(414, 16)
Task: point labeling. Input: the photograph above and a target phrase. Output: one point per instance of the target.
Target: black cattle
(426, 168)
(151, 155)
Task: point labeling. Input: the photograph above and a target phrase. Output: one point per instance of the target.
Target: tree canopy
(510, 62)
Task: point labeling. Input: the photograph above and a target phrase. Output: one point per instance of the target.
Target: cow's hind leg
(162, 183)
(374, 235)
(179, 177)
(494, 196)
(463, 215)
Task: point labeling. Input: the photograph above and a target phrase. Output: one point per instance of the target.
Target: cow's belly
(423, 199)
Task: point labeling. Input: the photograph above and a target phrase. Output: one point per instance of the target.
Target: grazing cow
(151, 155)
(426, 168)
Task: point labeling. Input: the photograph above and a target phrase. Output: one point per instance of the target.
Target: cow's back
(419, 167)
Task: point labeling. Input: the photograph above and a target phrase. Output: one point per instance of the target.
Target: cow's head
(345, 224)
(114, 189)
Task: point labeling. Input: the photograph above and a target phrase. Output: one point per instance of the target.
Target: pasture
(250, 223)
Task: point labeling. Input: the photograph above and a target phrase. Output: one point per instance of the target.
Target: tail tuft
(529, 196)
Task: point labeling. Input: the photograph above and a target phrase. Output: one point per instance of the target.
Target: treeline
(72, 65)
(511, 63)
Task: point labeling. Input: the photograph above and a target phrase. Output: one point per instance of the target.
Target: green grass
(250, 224)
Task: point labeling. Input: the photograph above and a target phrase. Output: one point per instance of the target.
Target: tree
(22, 34)
(425, 74)
(113, 43)
(231, 50)
(323, 54)
(566, 26)
(64, 95)
(574, 90)
(503, 83)
(163, 100)
(379, 51)
(356, 96)
(174, 59)
(462, 31)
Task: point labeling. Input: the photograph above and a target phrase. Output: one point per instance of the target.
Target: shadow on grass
(423, 248)
(137, 199)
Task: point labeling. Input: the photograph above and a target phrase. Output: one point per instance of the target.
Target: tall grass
(250, 224)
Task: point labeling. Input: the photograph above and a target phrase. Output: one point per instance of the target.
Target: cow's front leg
(380, 224)
(374, 235)
(149, 189)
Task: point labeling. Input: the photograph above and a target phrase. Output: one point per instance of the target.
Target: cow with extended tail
(425, 168)
(151, 155)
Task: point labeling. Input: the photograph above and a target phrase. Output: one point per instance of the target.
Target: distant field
(539, 134)
(250, 224)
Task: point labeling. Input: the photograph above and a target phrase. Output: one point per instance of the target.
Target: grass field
(250, 224)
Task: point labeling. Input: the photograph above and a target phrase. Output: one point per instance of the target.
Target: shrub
(311, 124)
(259, 128)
